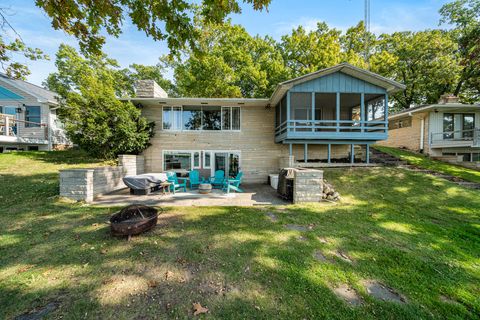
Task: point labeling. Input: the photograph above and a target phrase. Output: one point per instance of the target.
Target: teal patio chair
(218, 179)
(233, 184)
(173, 179)
(194, 176)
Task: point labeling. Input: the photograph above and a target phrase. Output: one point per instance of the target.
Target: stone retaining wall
(307, 185)
(86, 184)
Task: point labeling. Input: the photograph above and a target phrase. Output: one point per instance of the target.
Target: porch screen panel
(350, 111)
(301, 109)
(374, 111)
(283, 110)
(325, 109)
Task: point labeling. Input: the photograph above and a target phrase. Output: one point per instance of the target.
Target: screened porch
(331, 116)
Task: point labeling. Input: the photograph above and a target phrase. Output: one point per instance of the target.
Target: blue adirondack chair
(194, 176)
(218, 179)
(233, 184)
(173, 179)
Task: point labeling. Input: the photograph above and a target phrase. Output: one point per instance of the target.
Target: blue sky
(134, 47)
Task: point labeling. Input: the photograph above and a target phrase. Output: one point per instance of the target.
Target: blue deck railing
(321, 128)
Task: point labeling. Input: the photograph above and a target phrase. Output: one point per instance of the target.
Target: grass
(423, 161)
(415, 233)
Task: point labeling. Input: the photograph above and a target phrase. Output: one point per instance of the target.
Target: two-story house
(448, 129)
(320, 117)
(28, 119)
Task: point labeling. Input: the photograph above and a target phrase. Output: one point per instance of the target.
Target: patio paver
(253, 195)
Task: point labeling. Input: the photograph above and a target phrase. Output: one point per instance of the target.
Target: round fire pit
(133, 219)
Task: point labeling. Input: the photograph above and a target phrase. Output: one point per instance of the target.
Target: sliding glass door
(229, 162)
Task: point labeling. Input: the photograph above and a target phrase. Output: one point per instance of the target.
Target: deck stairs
(377, 156)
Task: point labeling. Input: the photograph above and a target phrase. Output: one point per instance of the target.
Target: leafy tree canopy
(162, 20)
(14, 45)
(464, 15)
(94, 117)
(229, 63)
(425, 61)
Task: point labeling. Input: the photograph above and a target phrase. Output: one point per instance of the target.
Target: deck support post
(329, 153)
(305, 153)
(362, 111)
(352, 155)
(7, 126)
(338, 112)
(367, 156)
(313, 112)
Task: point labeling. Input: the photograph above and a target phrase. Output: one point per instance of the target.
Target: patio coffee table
(165, 187)
(204, 188)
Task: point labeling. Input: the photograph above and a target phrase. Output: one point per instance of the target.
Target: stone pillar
(77, 184)
(286, 162)
(307, 185)
(131, 164)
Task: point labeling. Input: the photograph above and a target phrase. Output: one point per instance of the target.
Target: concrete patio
(253, 195)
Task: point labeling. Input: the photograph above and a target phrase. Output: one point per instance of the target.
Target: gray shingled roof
(32, 89)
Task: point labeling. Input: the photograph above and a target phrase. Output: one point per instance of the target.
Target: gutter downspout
(422, 129)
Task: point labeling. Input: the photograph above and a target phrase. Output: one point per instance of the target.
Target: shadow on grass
(416, 234)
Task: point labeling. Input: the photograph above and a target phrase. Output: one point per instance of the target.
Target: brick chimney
(149, 89)
(448, 98)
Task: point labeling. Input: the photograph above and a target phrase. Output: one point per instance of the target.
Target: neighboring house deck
(320, 118)
(28, 119)
(446, 129)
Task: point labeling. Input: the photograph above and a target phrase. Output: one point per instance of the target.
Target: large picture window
(177, 160)
(32, 116)
(212, 118)
(208, 118)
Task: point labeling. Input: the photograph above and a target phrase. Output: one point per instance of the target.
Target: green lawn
(430, 164)
(415, 233)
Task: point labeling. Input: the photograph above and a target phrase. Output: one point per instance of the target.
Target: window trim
(199, 159)
(201, 126)
(191, 152)
(28, 122)
(204, 153)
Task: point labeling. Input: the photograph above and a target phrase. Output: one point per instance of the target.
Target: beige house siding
(259, 155)
(409, 137)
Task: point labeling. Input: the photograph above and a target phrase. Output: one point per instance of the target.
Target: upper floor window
(32, 116)
(172, 118)
(209, 118)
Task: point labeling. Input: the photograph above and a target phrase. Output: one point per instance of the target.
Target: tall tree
(94, 117)
(425, 61)
(306, 52)
(229, 63)
(162, 20)
(11, 44)
(465, 16)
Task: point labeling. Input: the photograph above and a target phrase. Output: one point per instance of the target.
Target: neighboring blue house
(28, 118)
